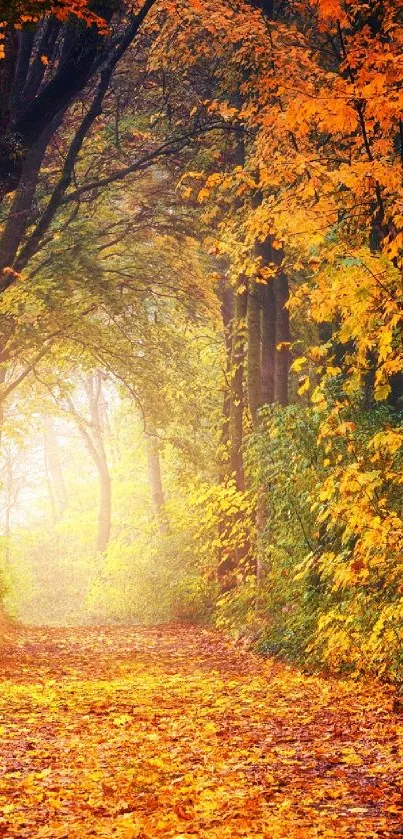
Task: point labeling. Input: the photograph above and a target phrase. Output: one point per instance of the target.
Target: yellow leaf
(298, 364)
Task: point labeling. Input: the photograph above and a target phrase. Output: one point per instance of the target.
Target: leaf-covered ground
(171, 732)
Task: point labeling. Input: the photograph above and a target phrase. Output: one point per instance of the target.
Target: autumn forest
(201, 419)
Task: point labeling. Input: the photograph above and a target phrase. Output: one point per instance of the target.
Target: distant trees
(92, 427)
(58, 495)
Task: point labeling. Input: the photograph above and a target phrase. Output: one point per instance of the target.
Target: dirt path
(172, 733)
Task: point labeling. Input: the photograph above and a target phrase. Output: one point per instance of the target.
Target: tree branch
(167, 148)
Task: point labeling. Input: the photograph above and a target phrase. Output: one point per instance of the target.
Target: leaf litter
(140, 733)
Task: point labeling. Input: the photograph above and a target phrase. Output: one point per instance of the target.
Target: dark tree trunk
(268, 341)
(254, 352)
(33, 113)
(8, 150)
(282, 367)
(21, 208)
(269, 258)
(237, 383)
(26, 40)
(25, 113)
(226, 293)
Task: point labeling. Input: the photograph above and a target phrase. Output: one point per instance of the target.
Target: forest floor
(172, 732)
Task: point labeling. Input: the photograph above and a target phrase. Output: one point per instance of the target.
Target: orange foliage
(26, 12)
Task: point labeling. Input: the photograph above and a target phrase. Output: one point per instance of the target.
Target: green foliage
(148, 581)
(236, 610)
(284, 467)
(48, 572)
(329, 591)
(223, 526)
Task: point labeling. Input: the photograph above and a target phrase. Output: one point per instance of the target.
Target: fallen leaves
(141, 733)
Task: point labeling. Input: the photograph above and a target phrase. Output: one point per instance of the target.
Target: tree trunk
(77, 53)
(254, 353)
(9, 495)
(105, 508)
(3, 373)
(226, 293)
(37, 111)
(93, 435)
(237, 381)
(57, 487)
(21, 208)
(155, 478)
(51, 494)
(282, 367)
(96, 403)
(268, 341)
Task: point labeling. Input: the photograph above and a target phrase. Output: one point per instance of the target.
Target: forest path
(171, 732)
